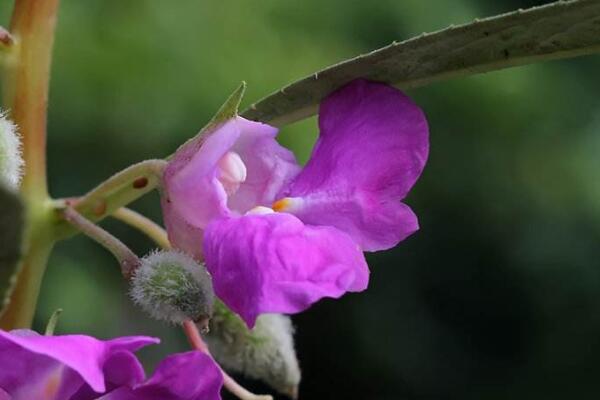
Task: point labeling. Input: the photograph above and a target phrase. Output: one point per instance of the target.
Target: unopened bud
(11, 160)
(171, 286)
(266, 352)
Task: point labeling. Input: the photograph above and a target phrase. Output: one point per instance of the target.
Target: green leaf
(265, 352)
(11, 237)
(558, 30)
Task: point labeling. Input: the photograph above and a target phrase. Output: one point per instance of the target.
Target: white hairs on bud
(11, 158)
(171, 286)
(266, 352)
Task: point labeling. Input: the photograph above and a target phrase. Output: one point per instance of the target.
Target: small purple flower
(277, 237)
(78, 367)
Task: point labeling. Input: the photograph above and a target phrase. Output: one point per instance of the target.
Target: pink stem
(196, 341)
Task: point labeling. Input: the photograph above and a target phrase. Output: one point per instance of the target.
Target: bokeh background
(496, 297)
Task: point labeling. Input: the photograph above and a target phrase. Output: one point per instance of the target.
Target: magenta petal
(193, 194)
(372, 148)
(120, 369)
(57, 364)
(274, 263)
(185, 376)
(270, 166)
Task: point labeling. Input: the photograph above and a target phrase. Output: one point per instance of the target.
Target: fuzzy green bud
(171, 286)
(11, 160)
(265, 353)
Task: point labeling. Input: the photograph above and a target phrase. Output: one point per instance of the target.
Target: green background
(496, 297)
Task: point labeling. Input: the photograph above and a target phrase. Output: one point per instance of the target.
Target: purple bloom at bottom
(79, 367)
(277, 237)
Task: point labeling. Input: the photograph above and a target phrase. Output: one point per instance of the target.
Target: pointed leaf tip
(230, 108)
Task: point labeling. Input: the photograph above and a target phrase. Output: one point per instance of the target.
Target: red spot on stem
(99, 208)
(140, 183)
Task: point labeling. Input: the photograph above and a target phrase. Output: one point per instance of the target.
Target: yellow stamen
(282, 204)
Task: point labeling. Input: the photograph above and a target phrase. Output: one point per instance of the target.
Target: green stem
(21, 309)
(26, 76)
(117, 191)
(26, 87)
(145, 225)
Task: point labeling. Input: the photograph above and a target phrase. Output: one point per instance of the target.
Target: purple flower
(78, 367)
(277, 237)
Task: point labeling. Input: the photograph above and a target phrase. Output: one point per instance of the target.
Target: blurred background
(496, 297)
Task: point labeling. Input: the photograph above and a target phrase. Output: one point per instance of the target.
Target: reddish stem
(196, 341)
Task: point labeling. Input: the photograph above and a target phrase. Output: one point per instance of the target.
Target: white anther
(260, 210)
(232, 172)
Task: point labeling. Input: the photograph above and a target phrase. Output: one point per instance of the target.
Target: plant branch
(27, 55)
(127, 259)
(26, 81)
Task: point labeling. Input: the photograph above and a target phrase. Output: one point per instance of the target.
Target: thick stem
(21, 309)
(26, 86)
(26, 78)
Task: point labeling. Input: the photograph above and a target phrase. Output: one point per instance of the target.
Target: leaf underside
(11, 236)
(558, 30)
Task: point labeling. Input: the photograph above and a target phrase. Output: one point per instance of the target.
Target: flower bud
(171, 286)
(11, 160)
(266, 352)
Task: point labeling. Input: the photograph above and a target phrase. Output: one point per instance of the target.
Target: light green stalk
(26, 77)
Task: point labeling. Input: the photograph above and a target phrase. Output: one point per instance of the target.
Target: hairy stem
(127, 259)
(143, 224)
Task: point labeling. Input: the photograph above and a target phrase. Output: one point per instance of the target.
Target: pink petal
(34, 364)
(274, 263)
(193, 194)
(372, 148)
(184, 376)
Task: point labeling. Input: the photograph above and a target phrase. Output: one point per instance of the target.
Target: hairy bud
(172, 287)
(11, 160)
(265, 352)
